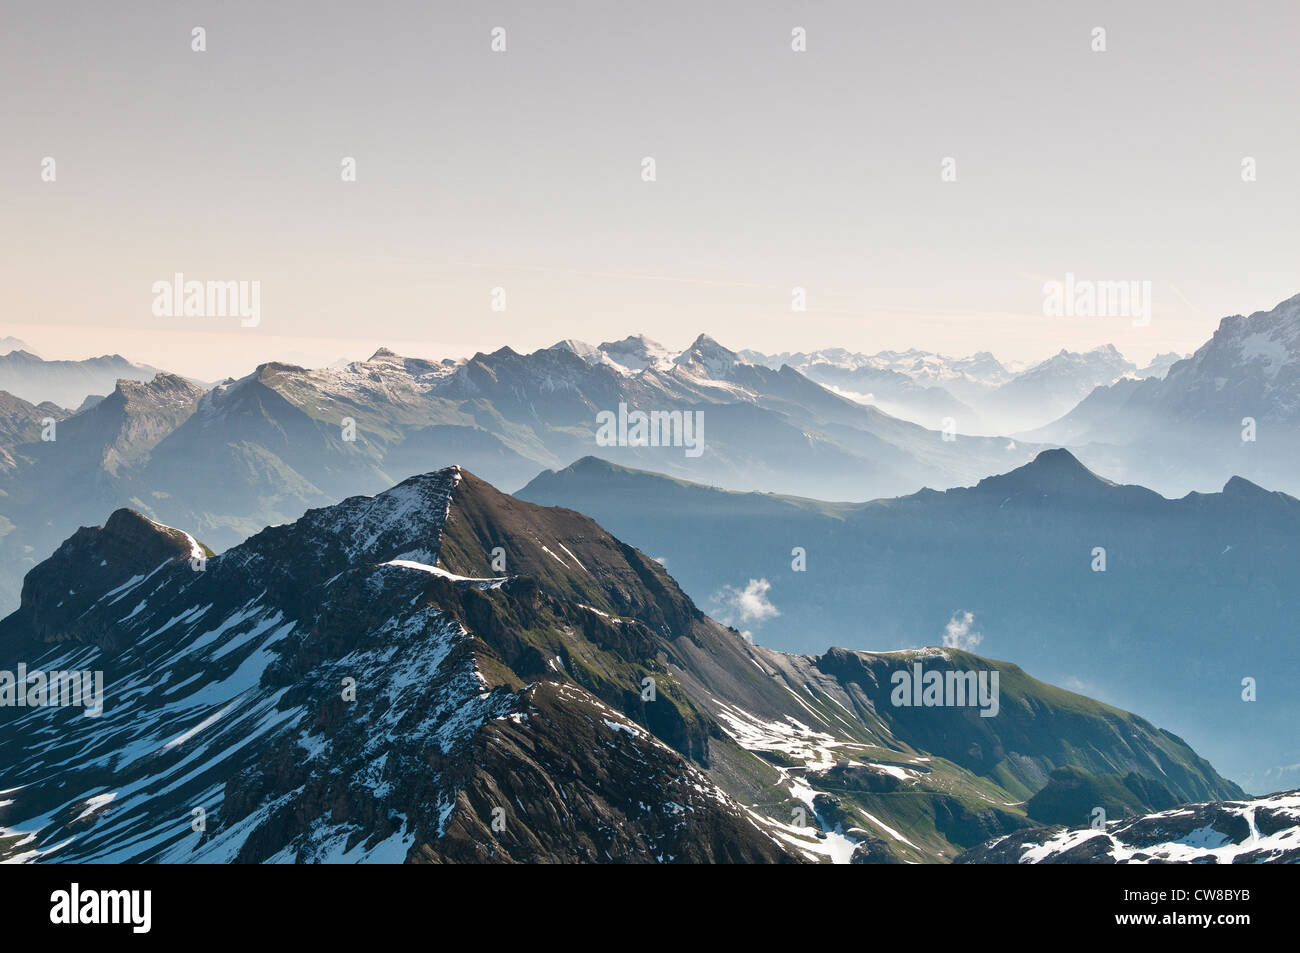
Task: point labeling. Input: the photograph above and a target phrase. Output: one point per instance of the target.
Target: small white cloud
(746, 605)
(957, 633)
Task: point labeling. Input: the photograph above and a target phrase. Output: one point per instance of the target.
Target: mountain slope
(264, 448)
(22, 422)
(1259, 831)
(1190, 429)
(248, 720)
(9, 344)
(1196, 595)
(1053, 387)
(978, 392)
(764, 428)
(363, 685)
(49, 487)
(66, 383)
(904, 386)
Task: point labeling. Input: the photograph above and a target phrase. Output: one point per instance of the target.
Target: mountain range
(444, 673)
(980, 394)
(264, 448)
(1112, 589)
(1256, 831)
(65, 383)
(1233, 407)
(540, 690)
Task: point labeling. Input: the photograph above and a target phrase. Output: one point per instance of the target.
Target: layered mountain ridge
(1110, 588)
(978, 393)
(65, 383)
(444, 673)
(1233, 407)
(266, 447)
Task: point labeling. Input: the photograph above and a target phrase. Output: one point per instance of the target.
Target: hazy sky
(522, 170)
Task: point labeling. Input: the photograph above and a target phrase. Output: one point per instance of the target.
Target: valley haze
(587, 433)
(1114, 590)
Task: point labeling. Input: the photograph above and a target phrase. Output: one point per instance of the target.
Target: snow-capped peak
(581, 348)
(1254, 351)
(707, 355)
(404, 522)
(636, 352)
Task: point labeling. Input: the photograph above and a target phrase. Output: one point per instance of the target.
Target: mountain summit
(1057, 472)
(1083, 580)
(1233, 407)
(442, 673)
(709, 357)
(66, 383)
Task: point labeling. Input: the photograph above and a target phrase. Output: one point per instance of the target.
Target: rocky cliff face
(334, 689)
(1196, 593)
(1231, 408)
(442, 673)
